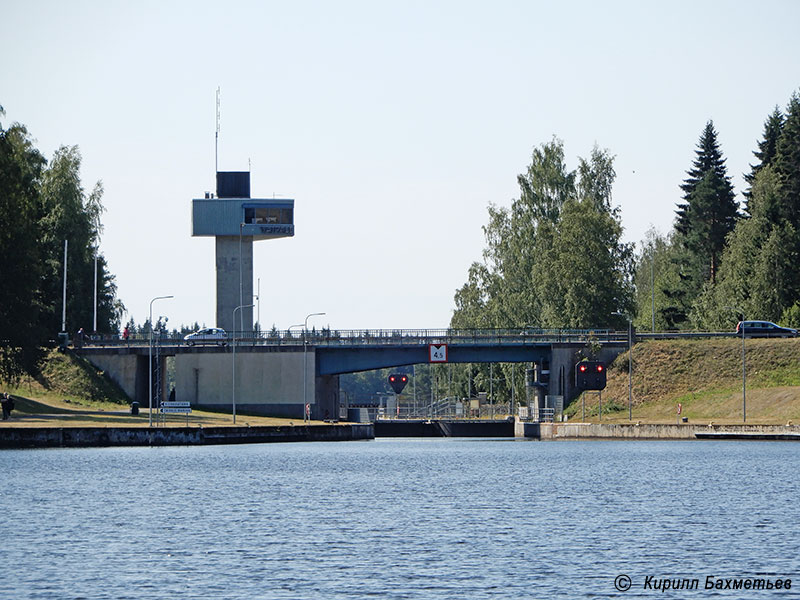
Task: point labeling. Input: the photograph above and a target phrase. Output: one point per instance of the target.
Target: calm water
(397, 519)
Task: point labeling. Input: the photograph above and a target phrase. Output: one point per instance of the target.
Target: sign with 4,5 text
(438, 353)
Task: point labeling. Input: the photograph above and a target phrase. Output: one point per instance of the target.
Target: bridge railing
(376, 337)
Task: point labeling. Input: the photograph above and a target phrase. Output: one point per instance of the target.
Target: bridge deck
(381, 338)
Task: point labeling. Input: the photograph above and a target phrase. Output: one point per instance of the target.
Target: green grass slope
(66, 376)
(705, 377)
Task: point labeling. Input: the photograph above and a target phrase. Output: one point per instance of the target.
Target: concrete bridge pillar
(127, 369)
(563, 359)
(326, 400)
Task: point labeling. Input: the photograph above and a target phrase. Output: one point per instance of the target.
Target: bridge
(279, 372)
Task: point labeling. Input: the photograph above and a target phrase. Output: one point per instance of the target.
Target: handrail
(406, 337)
(377, 337)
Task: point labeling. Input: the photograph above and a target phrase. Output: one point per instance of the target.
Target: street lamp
(150, 358)
(233, 347)
(744, 369)
(241, 290)
(653, 290)
(305, 361)
(630, 364)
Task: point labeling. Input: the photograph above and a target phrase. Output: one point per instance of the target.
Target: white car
(209, 335)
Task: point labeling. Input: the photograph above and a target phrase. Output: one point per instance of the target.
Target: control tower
(236, 220)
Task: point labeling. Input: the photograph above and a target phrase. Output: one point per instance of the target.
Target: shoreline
(644, 431)
(101, 437)
(116, 436)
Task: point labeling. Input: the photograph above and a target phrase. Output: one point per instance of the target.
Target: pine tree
(787, 172)
(21, 330)
(710, 211)
(787, 164)
(767, 149)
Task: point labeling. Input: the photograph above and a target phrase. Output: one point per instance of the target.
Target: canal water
(408, 518)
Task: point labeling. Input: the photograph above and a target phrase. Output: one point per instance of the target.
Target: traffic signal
(398, 381)
(590, 375)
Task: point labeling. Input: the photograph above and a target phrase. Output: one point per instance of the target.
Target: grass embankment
(705, 376)
(71, 392)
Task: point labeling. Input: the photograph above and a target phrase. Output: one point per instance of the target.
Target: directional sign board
(175, 407)
(438, 353)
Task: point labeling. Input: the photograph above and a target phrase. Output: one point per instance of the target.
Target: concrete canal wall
(633, 431)
(76, 437)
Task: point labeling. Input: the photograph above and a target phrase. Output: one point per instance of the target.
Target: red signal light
(391, 378)
(582, 368)
(599, 368)
(404, 379)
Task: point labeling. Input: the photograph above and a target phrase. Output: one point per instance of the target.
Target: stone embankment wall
(573, 431)
(70, 437)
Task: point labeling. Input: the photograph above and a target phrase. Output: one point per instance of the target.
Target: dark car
(764, 329)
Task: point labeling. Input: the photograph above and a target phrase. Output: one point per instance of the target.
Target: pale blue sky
(392, 124)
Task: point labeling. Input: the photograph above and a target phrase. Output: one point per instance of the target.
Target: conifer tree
(21, 332)
(709, 211)
(767, 148)
(787, 164)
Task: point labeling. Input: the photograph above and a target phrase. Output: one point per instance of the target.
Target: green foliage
(655, 280)
(585, 273)
(69, 214)
(21, 167)
(709, 211)
(791, 316)
(759, 274)
(787, 164)
(555, 257)
(40, 207)
(767, 148)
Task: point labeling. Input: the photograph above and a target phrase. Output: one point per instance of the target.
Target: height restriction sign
(438, 353)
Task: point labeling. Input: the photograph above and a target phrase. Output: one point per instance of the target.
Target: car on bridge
(764, 329)
(207, 335)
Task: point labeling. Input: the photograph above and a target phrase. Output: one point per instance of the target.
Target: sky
(393, 125)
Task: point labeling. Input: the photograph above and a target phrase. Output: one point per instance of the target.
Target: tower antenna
(216, 140)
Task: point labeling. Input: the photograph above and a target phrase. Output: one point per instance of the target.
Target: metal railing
(406, 337)
(442, 408)
(379, 337)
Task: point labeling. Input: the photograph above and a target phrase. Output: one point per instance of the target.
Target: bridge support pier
(128, 370)
(326, 400)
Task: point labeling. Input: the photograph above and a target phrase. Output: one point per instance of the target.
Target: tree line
(721, 261)
(43, 203)
(555, 258)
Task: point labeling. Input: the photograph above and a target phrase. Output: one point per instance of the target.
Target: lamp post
(653, 291)
(233, 348)
(305, 361)
(744, 368)
(630, 363)
(241, 290)
(150, 359)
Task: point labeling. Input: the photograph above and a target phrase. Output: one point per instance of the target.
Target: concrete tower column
(229, 293)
